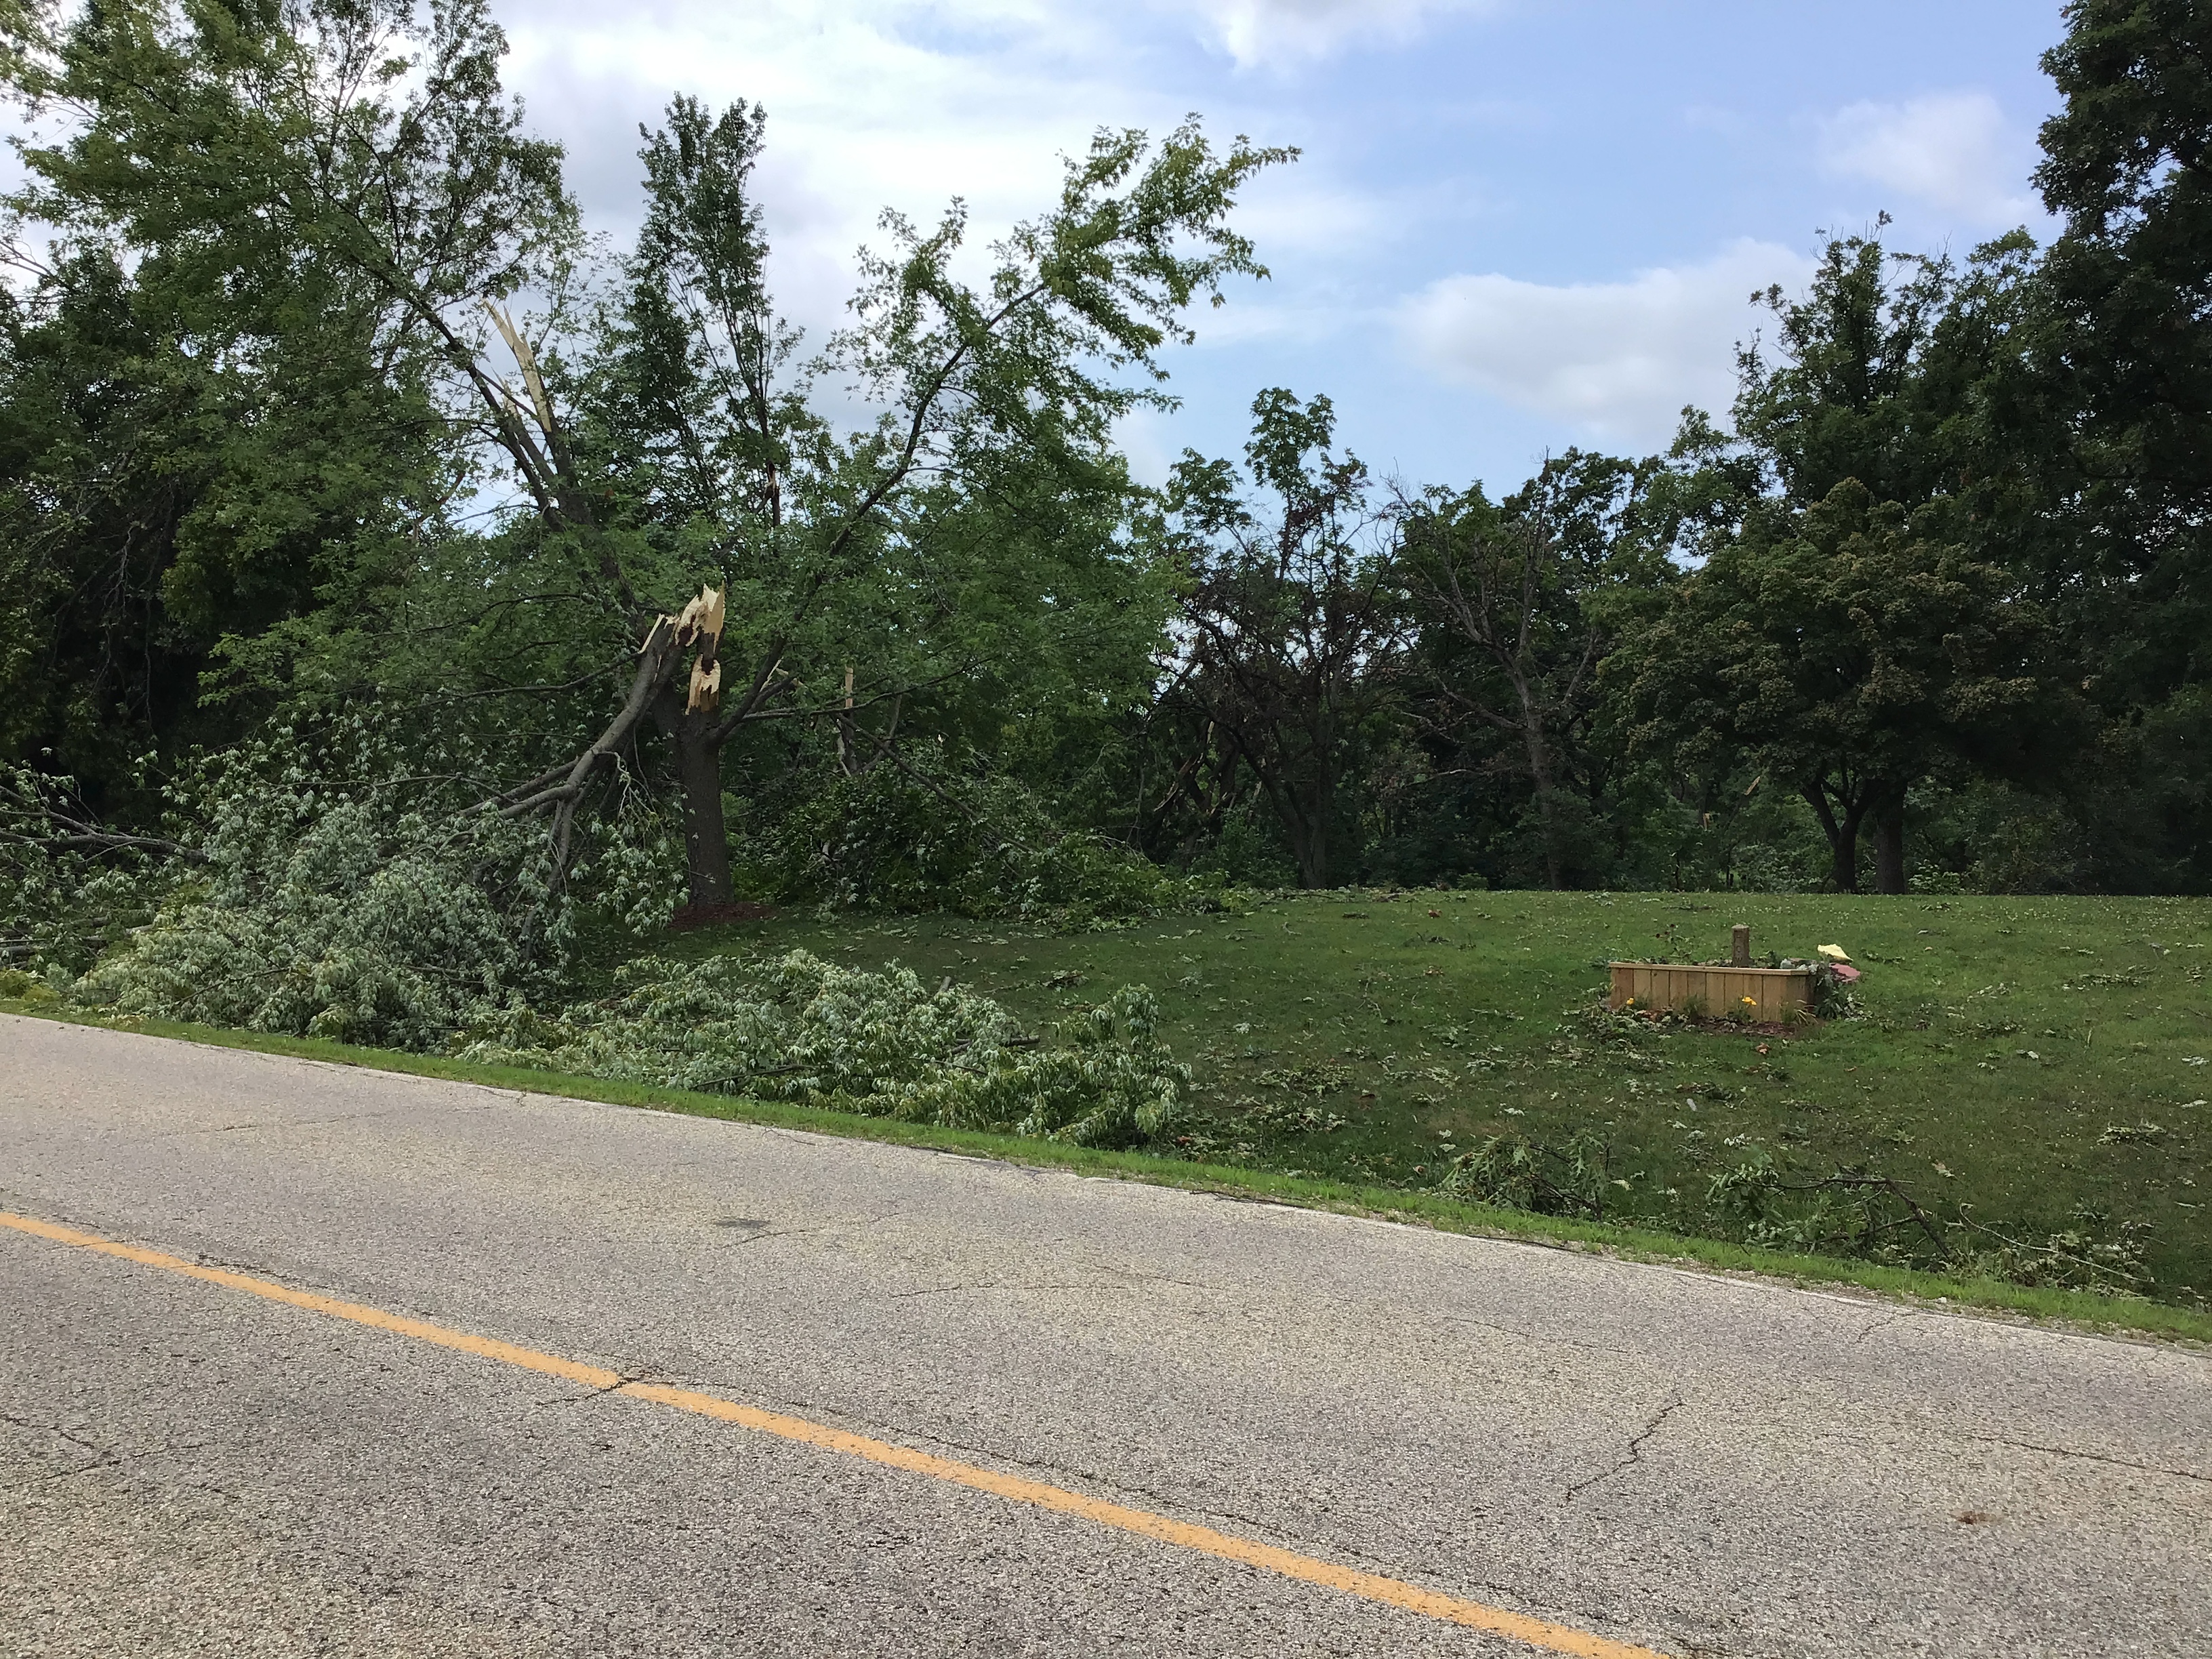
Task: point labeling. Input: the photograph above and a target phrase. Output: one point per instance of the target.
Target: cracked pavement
(1703, 1465)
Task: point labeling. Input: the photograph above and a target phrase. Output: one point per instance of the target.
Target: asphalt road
(1686, 1463)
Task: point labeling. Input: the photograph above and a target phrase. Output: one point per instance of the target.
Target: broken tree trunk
(690, 723)
(690, 732)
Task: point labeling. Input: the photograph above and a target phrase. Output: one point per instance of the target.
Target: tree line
(320, 414)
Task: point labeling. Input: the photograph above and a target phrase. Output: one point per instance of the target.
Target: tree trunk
(1308, 838)
(1307, 831)
(706, 839)
(699, 774)
(1313, 861)
(1889, 847)
(1843, 835)
(1540, 769)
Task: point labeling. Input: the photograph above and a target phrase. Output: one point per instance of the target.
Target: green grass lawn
(2033, 1065)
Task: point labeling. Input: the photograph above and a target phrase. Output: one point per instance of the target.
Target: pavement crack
(622, 1379)
(1635, 1453)
(1062, 1472)
(1873, 1328)
(103, 1457)
(998, 1285)
(2088, 1457)
(786, 1232)
(1165, 1279)
(60, 1433)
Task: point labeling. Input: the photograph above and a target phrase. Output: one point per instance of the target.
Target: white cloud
(907, 103)
(1953, 150)
(1278, 31)
(1615, 360)
(871, 103)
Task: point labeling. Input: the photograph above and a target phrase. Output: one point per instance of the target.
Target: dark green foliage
(914, 835)
(1520, 604)
(167, 490)
(1848, 654)
(1294, 622)
(2125, 361)
(245, 428)
(2129, 280)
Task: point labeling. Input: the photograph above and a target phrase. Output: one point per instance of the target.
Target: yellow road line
(1373, 1587)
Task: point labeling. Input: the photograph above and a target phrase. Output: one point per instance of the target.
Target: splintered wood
(701, 623)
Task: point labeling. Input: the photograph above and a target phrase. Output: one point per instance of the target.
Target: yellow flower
(1751, 1002)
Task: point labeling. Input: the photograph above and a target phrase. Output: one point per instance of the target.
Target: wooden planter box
(1778, 995)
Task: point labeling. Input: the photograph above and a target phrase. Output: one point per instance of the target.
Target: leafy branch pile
(69, 889)
(323, 885)
(322, 895)
(799, 1029)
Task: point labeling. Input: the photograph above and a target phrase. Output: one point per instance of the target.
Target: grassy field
(2026, 1071)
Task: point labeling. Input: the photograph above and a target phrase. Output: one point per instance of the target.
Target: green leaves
(1847, 652)
(797, 1028)
(1293, 621)
(272, 224)
(1101, 283)
(2128, 363)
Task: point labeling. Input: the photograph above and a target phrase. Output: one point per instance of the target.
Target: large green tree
(1294, 623)
(1519, 602)
(1847, 652)
(2128, 366)
(213, 422)
(1880, 429)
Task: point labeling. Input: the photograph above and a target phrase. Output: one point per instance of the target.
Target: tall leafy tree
(1878, 431)
(1847, 651)
(2128, 167)
(216, 422)
(1519, 602)
(1295, 622)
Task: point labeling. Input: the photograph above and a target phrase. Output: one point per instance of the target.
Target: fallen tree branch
(86, 831)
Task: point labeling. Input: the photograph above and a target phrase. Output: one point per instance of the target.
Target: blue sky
(1518, 224)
